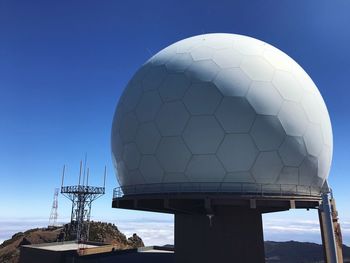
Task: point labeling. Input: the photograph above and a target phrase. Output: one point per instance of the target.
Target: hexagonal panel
(118, 114)
(205, 168)
(148, 106)
(227, 58)
(237, 152)
(174, 87)
(150, 169)
(264, 98)
(179, 63)
(267, 167)
(232, 82)
(203, 134)
(204, 70)
(313, 139)
(202, 53)
(277, 58)
(117, 145)
(134, 177)
(172, 118)
(163, 56)
(320, 101)
(292, 151)
(218, 41)
(318, 182)
(239, 177)
(140, 75)
(154, 78)
(122, 173)
(131, 97)
(184, 46)
(235, 114)
(324, 162)
(131, 156)
(287, 85)
(173, 154)
(202, 98)
(303, 78)
(267, 132)
(308, 171)
(128, 127)
(311, 108)
(147, 138)
(175, 178)
(327, 131)
(246, 46)
(293, 118)
(289, 176)
(257, 68)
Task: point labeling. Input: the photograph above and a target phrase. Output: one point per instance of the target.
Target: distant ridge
(275, 252)
(297, 252)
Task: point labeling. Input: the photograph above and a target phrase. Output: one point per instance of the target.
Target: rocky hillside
(99, 232)
(110, 234)
(297, 252)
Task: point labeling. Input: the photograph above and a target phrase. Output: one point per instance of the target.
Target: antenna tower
(81, 196)
(54, 214)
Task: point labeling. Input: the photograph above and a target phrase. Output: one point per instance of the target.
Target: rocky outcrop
(99, 232)
(109, 233)
(135, 241)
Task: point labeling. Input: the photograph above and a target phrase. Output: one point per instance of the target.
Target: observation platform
(82, 189)
(229, 212)
(208, 198)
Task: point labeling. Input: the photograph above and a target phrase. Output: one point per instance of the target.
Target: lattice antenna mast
(54, 213)
(81, 196)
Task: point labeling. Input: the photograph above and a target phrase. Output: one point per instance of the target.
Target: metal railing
(255, 189)
(73, 189)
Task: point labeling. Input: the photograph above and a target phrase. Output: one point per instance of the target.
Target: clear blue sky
(64, 64)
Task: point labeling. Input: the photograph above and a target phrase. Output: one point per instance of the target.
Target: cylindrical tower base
(222, 238)
(234, 233)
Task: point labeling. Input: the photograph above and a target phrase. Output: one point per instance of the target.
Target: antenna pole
(64, 168)
(104, 179)
(84, 168)
(87, 177)
(81, 163)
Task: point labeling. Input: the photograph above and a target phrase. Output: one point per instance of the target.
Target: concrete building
(69, 252)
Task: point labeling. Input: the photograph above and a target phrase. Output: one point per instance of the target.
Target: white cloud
(9, 227)
(300, 230)
(152, 232)
(156, 231)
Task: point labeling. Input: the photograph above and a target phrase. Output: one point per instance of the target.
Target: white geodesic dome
(219, 112)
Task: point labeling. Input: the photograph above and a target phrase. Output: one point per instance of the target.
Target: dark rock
(135, 241)
(24, 241)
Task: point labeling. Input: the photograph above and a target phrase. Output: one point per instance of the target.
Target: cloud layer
(161, 232)
(9, 227)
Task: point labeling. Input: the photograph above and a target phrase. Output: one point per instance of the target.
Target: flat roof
(92, 248)
(61, 246)
(154, 250)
